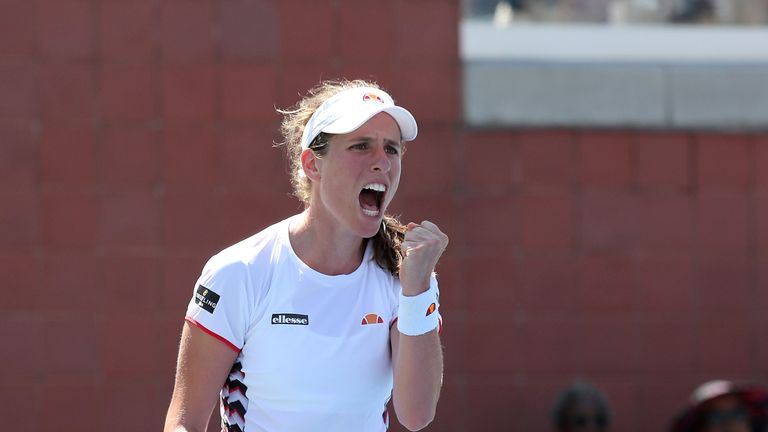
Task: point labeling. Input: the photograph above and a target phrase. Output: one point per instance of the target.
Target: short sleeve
(219, 304)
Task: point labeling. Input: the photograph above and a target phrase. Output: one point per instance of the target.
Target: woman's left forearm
(418, 370)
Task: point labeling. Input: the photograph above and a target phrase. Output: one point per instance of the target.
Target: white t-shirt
(313, 350)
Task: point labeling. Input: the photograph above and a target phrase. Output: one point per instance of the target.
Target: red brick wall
(135, 141)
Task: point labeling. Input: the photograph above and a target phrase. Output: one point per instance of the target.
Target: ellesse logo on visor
(290, 319)
(372, 97)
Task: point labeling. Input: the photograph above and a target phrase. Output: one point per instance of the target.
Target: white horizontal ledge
(679, 44)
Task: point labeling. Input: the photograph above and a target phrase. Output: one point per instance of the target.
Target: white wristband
(417, 315)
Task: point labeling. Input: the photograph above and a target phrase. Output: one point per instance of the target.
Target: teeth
(370, 212)
(378, 187)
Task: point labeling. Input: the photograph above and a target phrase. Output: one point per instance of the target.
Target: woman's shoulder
(251, 250)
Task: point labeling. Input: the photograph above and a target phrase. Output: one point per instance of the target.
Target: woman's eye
(359, 146)
(392, 150)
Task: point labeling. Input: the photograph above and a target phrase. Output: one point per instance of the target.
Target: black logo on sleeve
(290, 319)
(206, 298)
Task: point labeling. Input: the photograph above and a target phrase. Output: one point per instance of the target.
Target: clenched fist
(422, 247)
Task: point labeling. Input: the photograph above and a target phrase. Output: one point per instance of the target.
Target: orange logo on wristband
(431, 309)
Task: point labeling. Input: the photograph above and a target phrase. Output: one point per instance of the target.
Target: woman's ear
(309, 163)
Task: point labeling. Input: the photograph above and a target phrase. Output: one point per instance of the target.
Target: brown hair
(386, 243)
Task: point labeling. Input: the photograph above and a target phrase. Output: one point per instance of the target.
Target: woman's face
(726, 414)
(359, 175)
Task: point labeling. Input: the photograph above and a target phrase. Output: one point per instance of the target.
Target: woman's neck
(323, 246)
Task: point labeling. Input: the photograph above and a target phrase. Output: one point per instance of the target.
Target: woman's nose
(381, 162)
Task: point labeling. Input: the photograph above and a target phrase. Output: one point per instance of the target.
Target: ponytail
(386, 245)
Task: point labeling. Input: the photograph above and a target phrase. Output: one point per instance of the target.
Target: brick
(761, 216)
(440, 209)
(186, 225)
(546, 285)
(16, 399)
(724, 283)
(430, 92)
(496, 226)
(19, 222)
(664, 285)
(19, 153)
(66, 29)
(22, 271)
(69, 220)
(187, 30)
(723, 163)
(547, 222)
(551, 344)
(662, 161)
(609, 345)
(188, 92)
(605, 161)
(240, 214)
(493, 351)
(491, 162)
(413, 44)
(18, 29)
(494, 282)
(18, 85)
(128, 91)
(127, 31)
(606, 284)
(761, 165)
(664, 223)
(607, 221)
(762, 282)
(68, 157)
(131, 156)
(358, 43)
(429, 164)
(190, 155)
(71, 282)
(762, 342)
(23, 333)
(376, 70)
(666, 345)
(248, 92)
(488, 413)
(71, 345)
(547, 159)
(249, 29)
(659, 401)
(137, 344)
(68, 93)
(130, 220)
(721, 223)
(126, 279)
(248, 159)
(725, 344)
(151, 393)
(65, 404)
(303, 21)
(298, 78)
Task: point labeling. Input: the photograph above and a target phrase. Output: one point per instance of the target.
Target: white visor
(349, 109)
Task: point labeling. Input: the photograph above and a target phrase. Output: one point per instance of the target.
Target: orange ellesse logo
(372, 97)
(372, 318)
(431, 309)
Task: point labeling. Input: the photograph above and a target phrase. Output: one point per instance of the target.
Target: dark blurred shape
(693, 11)
(581, 407)
(723, 406)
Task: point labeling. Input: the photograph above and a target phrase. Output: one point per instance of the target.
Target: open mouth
(371, 198)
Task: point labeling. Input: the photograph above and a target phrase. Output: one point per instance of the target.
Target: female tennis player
(314, 323)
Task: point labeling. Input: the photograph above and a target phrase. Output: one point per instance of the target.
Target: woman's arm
(418, 364)
(418, 360)
(203, 365)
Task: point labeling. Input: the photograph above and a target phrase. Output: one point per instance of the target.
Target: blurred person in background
(581, 407)
(723, 406)
(315, 322)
